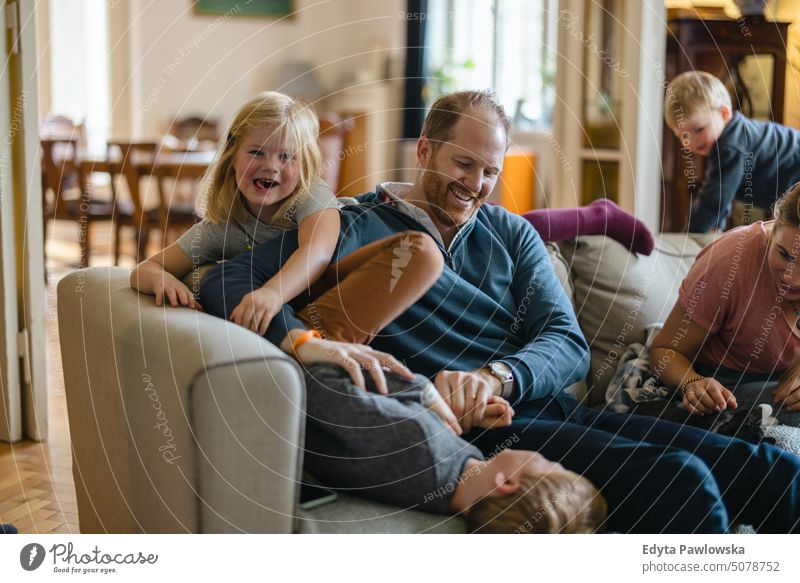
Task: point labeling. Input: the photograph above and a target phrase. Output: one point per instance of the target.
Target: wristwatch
(502, 371)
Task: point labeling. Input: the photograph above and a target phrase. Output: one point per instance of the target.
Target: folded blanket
(633, 382)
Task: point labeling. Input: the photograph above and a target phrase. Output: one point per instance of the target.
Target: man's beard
(437, 194)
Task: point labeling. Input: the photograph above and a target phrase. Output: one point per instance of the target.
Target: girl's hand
(353, 358)
(175, 292)
(788, 395)
(706, 395)
(257, 309)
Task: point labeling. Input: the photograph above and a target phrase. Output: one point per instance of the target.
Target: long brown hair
(294, 121)
(787, 214)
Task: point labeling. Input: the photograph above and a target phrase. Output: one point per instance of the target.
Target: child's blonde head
(298, 126)
(693, 92)
(553, 502)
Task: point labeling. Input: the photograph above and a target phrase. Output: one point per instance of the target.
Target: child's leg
(602, 217)
(362, 293)
(388, 448)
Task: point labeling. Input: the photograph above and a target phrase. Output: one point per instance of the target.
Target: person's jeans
(354, 299)
(659, 476)
(751, 389)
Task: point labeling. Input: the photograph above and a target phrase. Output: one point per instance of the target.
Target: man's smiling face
(460, 173)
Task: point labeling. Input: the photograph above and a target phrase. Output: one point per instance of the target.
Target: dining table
(134, 162)
(147, 163)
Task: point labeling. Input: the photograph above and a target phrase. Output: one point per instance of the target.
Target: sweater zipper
(449, 250)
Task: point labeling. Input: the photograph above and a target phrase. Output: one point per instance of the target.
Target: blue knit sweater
(753, 162)
(498, 298)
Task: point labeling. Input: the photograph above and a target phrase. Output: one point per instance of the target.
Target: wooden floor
(37, 492)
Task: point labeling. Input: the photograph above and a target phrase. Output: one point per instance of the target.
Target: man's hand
(257, 309)
(355, 358)
(434, 401)
(788, 395)
(467, 394)
(707, 395)
(498, 413)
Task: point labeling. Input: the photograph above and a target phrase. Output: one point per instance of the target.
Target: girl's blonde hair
(294, 122)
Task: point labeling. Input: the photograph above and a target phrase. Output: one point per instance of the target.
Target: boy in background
(749, 161)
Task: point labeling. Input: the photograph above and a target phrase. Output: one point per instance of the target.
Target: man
(497, 322)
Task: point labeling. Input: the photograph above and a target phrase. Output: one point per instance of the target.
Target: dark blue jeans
(659, 476)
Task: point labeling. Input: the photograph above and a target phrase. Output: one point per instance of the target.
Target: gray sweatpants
(388, 448)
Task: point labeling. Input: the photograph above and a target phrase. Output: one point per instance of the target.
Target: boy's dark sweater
(753, 162)
(497, 299)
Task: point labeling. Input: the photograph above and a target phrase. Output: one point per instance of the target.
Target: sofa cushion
(355, 515)
(617, 294)
(561, 267)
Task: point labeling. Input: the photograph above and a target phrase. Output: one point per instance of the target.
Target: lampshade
(298, 79)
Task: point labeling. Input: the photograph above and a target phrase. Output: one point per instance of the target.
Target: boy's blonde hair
(693, 92)
(555, 502)
(294, 122)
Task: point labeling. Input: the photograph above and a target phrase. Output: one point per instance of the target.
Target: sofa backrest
(617, 294)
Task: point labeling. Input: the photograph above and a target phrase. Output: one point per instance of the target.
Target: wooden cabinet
(749, 55)
(369, 156)
(609, 86)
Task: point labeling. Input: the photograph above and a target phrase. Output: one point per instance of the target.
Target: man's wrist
(503, 374)
(494, 382)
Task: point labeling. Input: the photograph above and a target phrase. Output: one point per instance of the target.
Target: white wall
(167, 60)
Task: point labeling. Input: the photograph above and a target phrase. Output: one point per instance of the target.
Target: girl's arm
(673, 351)
(317, 237)
(160, 275)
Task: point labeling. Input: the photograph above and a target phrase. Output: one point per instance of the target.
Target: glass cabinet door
(603, 86)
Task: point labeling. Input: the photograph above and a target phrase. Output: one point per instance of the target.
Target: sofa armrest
(179, 421)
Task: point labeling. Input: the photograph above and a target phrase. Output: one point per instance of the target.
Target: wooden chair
(193, 133)
(177, 205)
(60, 127)
(125, 159)
(66, 194)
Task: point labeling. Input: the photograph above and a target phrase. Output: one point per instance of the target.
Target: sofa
(182, 422)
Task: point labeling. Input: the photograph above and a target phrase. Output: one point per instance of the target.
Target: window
(505, 45)
(79, 66)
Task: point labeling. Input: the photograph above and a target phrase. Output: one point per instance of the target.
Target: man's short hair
(448, 109)
(692, 92)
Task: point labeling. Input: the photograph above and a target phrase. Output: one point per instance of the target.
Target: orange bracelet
(303, 338)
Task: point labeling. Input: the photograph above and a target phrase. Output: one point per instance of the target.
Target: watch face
(501, 369)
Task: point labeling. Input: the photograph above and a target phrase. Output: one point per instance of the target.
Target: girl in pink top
(733, 337)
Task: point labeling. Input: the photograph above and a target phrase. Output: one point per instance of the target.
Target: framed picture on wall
(265, 8)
